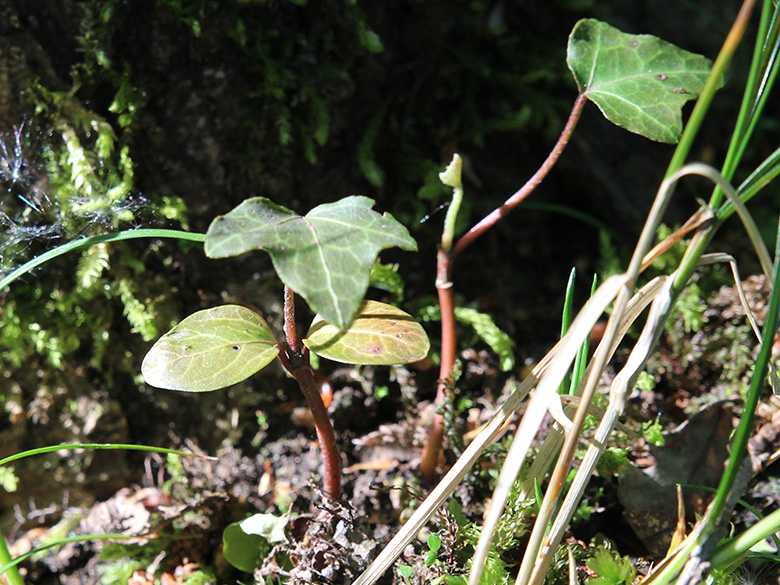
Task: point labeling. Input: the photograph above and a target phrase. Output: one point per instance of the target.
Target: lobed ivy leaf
(380, 335)
(326, 256)
(209, 350)
(639, 82)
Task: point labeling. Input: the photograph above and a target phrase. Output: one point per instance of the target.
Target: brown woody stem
(296, 361)
(331, 460)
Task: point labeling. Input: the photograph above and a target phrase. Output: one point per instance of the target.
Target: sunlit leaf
(247, 542)
(242, 550)
(209, 350)
(639, 82)
(380, 335)
(326, 256)
(268, 526)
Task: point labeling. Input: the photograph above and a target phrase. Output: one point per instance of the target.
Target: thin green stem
(452, 177)
(91, 241)
(446, 259)
(96, 446)
(752, 509)
(758, 179)
(760, 80)
(699, 244)
(706, 532)
(8, 565)
(743, 542)
(746, 421)
(711, 86)
(747, 108)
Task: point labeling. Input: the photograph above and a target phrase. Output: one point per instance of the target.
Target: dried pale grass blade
(546, 393)
(599, 413)
(449, 482)
(549, 449)
(617, 402)
(702, 217)
(598, 363)
(545, 399)
(744, 215)
(660, 292)
(680, 529)
(572, 568)
(720, 257)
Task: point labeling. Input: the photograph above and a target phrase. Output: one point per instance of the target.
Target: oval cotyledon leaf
(209, 350)
(380, 335)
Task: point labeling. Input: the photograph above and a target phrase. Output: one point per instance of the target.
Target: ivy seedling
(326, 257)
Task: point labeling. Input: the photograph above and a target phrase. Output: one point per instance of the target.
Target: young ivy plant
(325, 257)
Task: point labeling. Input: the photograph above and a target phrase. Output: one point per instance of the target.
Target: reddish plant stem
(296, 361)
(445, 262)
(494, 216)
(449, 341)
(331, 460)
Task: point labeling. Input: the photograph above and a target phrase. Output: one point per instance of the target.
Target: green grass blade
(745, 428)
(743, 542)
(97, 446)
(761, 78)
(764, 174)
(581, 361)
(84, 242)
(8, 565)
(11, 566)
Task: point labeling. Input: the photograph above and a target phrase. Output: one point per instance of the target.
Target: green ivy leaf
(380, 335)
(209, 350)
(326, 256)
(249, 541)
(639, 82)
(243, 550)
